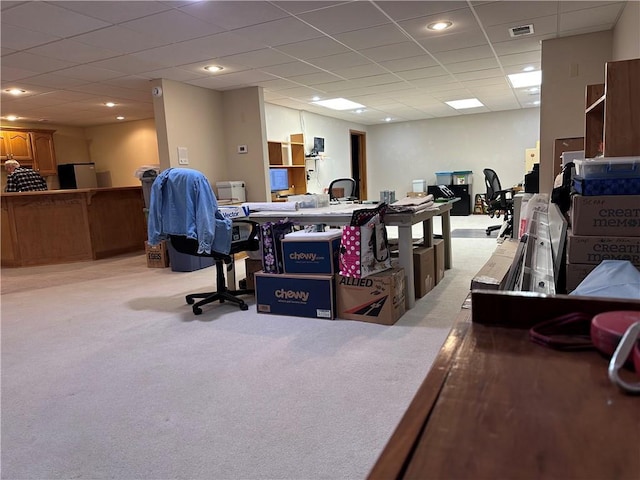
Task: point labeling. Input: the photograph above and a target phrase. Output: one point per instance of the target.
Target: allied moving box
(591, 249)
(439, 259)
(378, 298)
(157, 255)
(311, 252)
(424, 270)
(610, 215)
(310, 296)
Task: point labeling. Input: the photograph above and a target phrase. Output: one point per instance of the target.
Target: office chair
(343, 189)
(499, 202)
(184, 210)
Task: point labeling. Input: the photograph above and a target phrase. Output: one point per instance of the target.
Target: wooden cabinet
(32, 148)
(16, 145)
(290, 156)
(612, 116)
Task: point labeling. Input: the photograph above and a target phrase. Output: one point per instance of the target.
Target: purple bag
(271, 235)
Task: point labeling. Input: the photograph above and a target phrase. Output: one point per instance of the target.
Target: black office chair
(194, 212)
(343, 189)
(498, 202)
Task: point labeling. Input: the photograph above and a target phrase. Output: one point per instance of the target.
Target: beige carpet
(106, 373)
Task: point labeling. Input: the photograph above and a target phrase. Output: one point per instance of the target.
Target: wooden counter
(496, 405)
(61, 226)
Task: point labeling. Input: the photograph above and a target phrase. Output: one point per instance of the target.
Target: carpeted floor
(106, 373)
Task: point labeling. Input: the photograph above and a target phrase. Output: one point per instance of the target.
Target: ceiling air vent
(521, 30)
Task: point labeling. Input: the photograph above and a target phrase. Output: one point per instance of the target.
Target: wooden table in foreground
(494, 405)
(61, 226)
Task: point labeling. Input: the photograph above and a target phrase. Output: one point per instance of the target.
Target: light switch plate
(242, 149)
(183, 156)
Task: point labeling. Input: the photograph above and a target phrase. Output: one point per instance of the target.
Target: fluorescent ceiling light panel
(527, 79)
(338, 104)
(466, 103)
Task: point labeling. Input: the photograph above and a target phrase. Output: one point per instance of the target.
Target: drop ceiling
(73, 56)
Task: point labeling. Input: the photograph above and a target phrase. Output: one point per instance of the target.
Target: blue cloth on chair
(183, 203)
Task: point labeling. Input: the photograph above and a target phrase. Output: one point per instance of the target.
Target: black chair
(343, 189)
(189, 246)
(498, 202)
(193, 207)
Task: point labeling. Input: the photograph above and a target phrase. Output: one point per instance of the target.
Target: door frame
(359, 164)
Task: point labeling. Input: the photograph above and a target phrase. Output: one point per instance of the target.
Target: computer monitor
(318, 145)
(279, 178)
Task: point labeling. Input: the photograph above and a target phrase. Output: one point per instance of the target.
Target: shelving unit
(290, 155)
(612, 112)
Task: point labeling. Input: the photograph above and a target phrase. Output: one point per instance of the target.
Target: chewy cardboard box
(157, 255)
(609, 215)
(311, 252)
(424, 270)
(594, 249)
(310, 296)
(378, 298)
(493, 274)
(439, 259)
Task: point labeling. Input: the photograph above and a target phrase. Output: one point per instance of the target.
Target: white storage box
(420, 185)
(608, 167)
(233, 190)
(443, 178)
(314, 200)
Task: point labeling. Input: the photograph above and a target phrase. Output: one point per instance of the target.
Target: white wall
(399, 153)
(283, 121)
(626, 34)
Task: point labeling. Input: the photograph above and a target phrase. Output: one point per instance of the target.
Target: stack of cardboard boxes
(312, 287)
(603, 227)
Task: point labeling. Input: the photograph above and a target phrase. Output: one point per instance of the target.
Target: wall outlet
(242, 149)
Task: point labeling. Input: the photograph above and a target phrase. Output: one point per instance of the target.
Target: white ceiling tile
(410, 63)
(118, 39)
(50, 19)
(88, 73)
(418, 73)
(233, 15)
(103, 10)
(404, 10)
(127, 64)
(492, 72)
(518, 45)
(19, 38)
(314, 78)
(454, 41)
(342, 60)
(473, 65)
(345, 17)
(394, 51)
(171, 26)
(464, 23)
(33, 63)
(514, 13)
(264, 57)
(314, 48)
(73, 51)
(175, 74)
(292, 69)
(360, 71)
(464, 54)
(278, 32)
(590, 17)
(372, 37)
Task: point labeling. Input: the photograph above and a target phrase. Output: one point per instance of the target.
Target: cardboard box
(157, 256)
(493, 274)
(591, 249)
(310, 296)
(311, 252)
(609, 215)
(378, 298)
(424, 270)
(439, 259)
(576, 273)
(251, 266)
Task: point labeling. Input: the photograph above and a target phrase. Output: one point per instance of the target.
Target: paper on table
(271, 206)
(414, 200)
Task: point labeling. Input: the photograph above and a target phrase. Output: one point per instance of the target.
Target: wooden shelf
(290, 155)
(612, 112)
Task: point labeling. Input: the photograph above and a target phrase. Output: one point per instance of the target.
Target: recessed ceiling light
(360, 110)
(527, 79)
(533, 90)
(528, 69)
(119, 117)
(439, 26)
(12, 118)
(213, 68)
(110, 104)
(537, 102)
(388, 119)
(315, 99)
(15, 91)
(339, 104)
(466, 103)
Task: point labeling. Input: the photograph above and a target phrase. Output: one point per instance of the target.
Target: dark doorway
(359, 162)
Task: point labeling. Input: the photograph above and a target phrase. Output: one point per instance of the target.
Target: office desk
(339, 215)
(495, 405)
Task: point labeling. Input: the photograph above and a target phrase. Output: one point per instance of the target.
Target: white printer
(232, 190)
